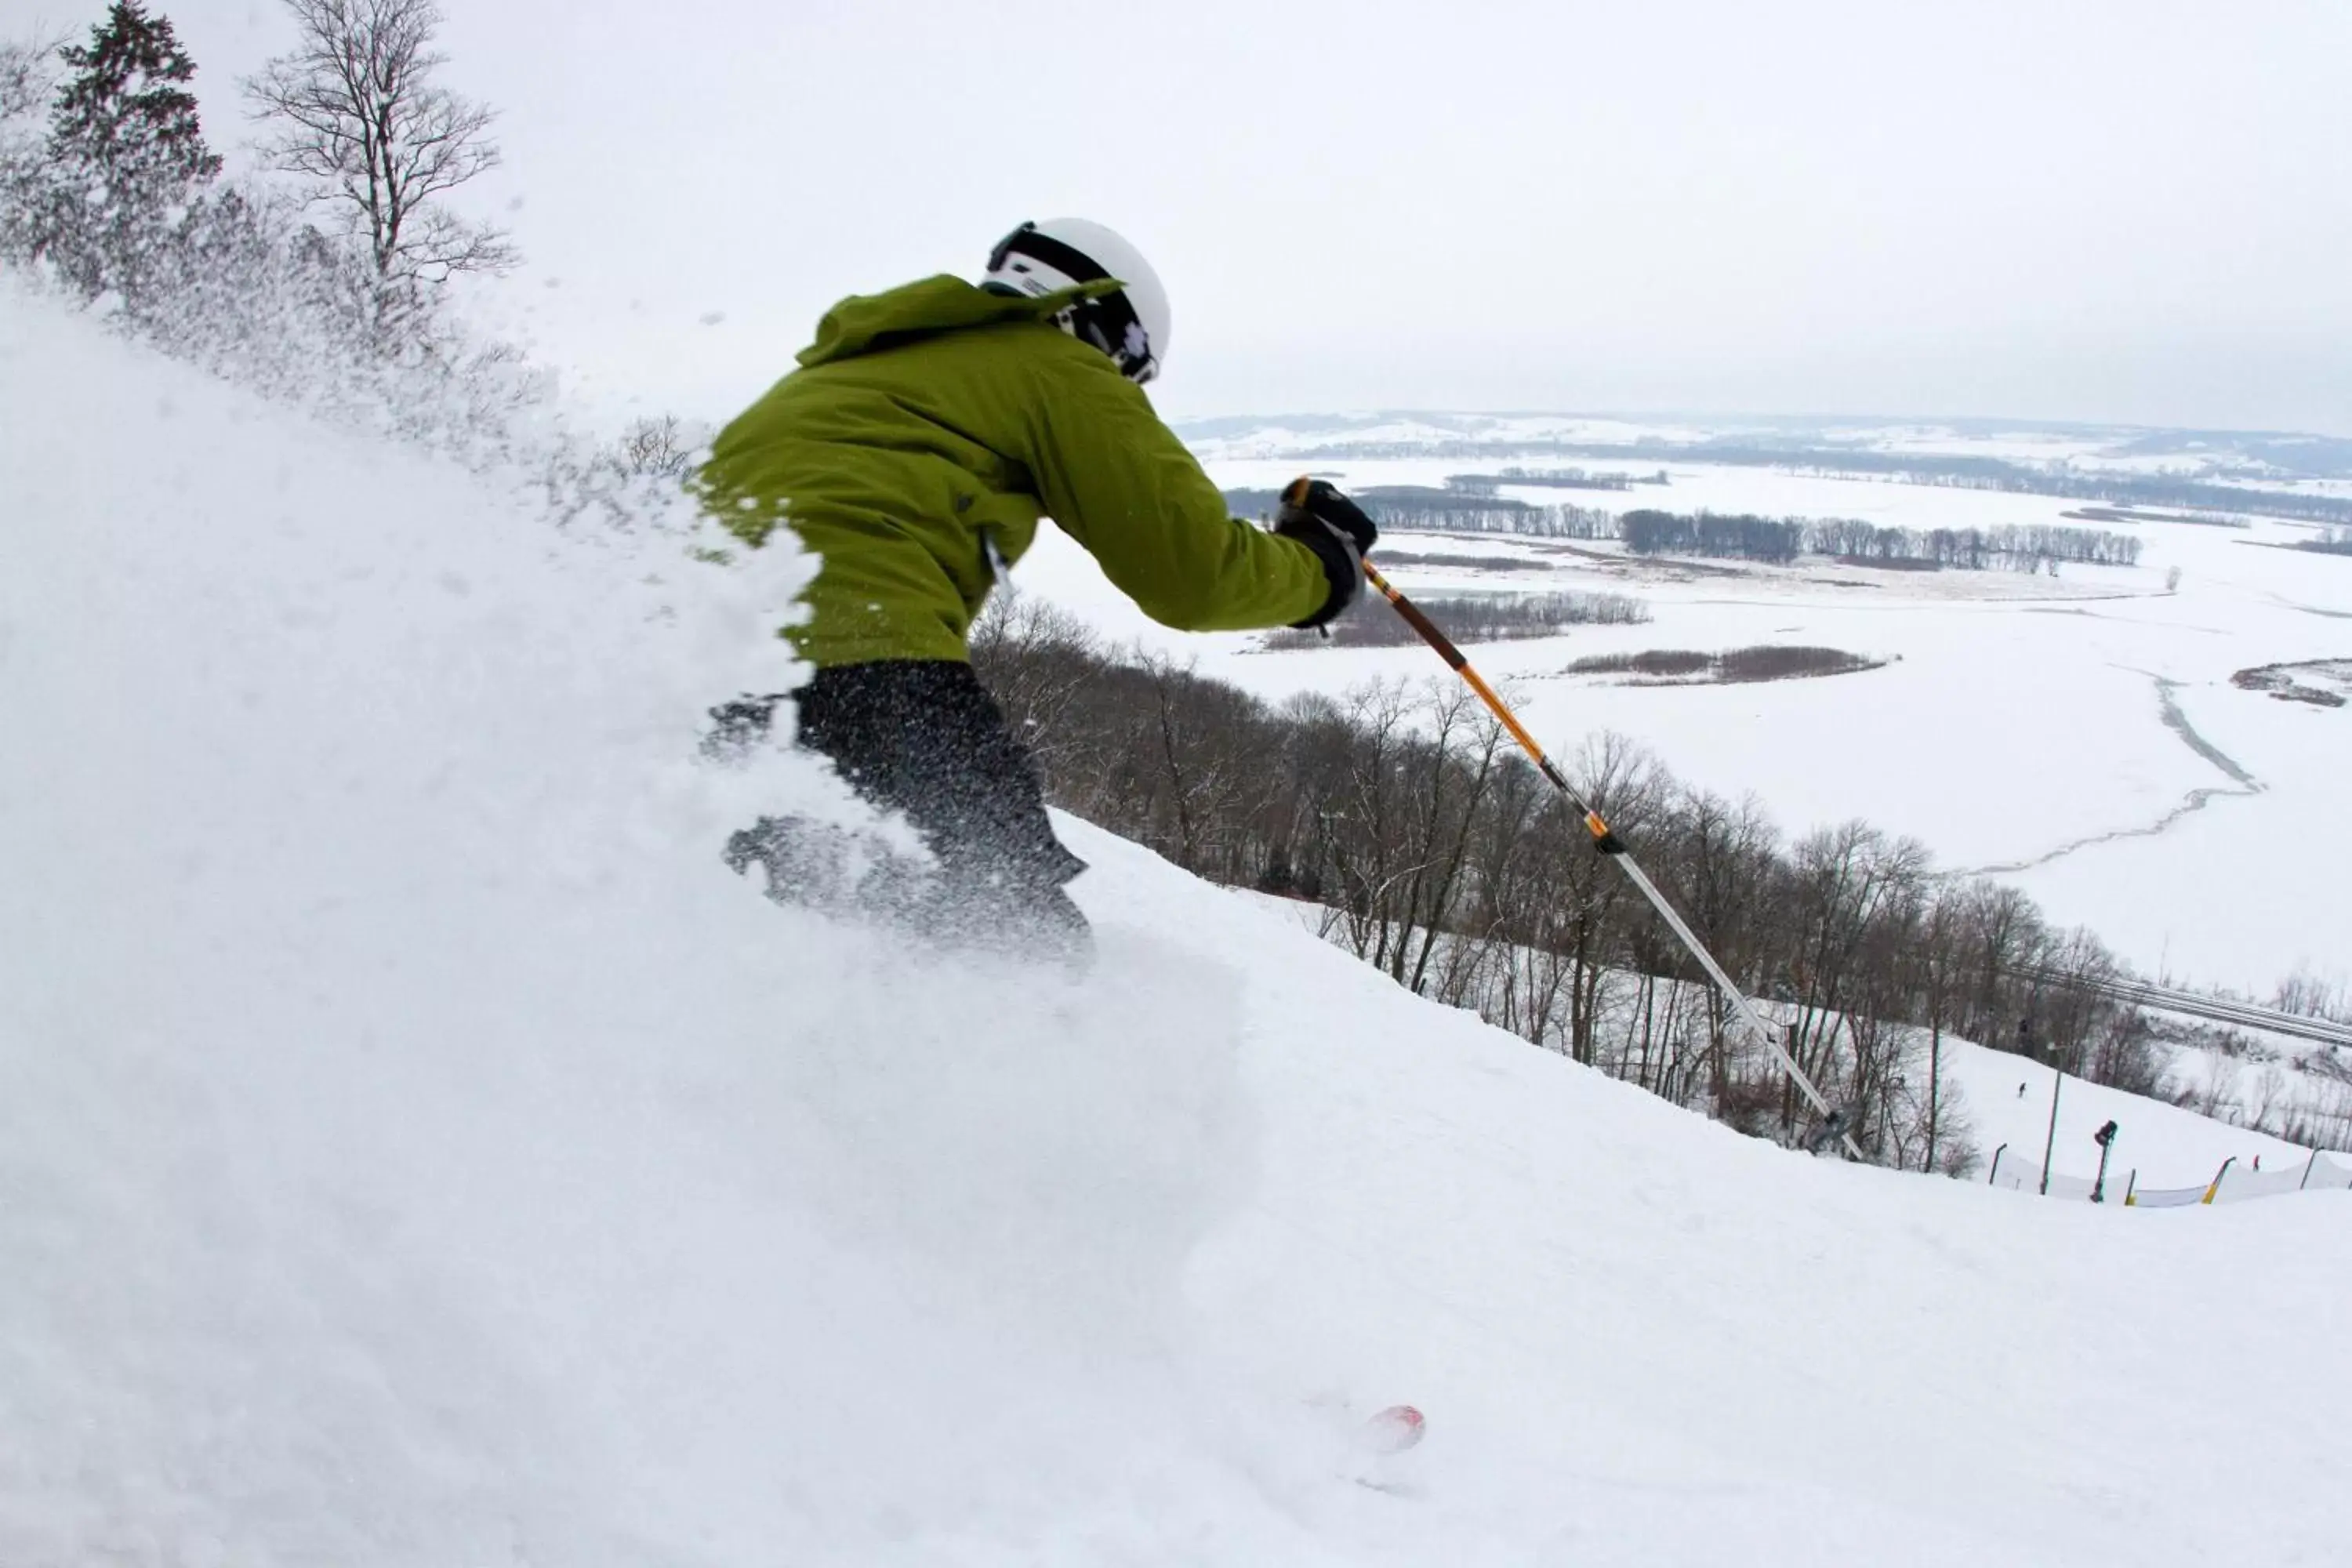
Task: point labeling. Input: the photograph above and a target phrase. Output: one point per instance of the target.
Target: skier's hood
(863, 323)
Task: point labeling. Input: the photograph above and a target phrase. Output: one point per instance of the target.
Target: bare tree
(1939, 963)
(27, 78)
(2313, 995)
(359, 118)
(1038, 660)
(666, 446)
(1587, 908)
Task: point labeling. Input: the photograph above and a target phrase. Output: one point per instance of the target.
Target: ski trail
(2178, 723)
(2311, 609)
(2242, 783)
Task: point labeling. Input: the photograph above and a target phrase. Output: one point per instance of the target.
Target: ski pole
(1604, 840)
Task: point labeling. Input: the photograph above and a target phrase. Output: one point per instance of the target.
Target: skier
(913, 452)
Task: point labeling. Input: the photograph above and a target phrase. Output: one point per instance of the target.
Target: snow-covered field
(418, 1149)
(2077, 734)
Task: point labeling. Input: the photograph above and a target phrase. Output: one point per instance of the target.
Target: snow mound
(416, 1147)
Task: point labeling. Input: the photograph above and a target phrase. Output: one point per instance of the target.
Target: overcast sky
(2130, 210)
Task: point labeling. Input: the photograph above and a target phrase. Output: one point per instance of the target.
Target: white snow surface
(1993, 1100)
(416, 1148)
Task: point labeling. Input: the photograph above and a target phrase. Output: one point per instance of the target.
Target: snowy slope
(416, 1149)
(2165, 1144)
(1996, 1101)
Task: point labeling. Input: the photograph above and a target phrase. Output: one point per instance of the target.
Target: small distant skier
(926, 432)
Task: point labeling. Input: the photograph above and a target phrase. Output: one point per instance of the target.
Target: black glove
(1317, 514)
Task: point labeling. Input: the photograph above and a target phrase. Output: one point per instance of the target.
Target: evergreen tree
(127, 157)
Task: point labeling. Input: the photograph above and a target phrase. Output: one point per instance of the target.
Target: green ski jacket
(924, 434)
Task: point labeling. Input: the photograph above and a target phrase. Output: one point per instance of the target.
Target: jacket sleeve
(1116, 479)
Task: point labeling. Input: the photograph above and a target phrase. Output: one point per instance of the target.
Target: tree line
(1552, 479)
(1463, 507)
(1741, 534)
(1453, 509)
(1728, 667)
(1470, 618)
(1749, 537)
(1436, 853)
(2021, 548)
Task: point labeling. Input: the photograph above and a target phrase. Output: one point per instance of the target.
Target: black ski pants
(923, 737)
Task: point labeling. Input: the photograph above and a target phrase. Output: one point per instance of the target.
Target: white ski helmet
(1131, 326)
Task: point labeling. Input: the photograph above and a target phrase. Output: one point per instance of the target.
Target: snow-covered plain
(418, 1149)
(2047, 730)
